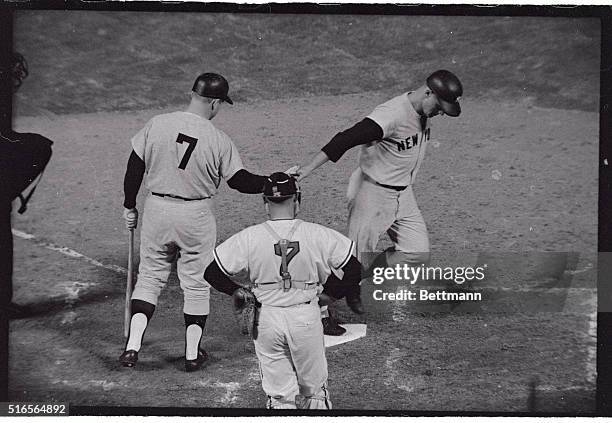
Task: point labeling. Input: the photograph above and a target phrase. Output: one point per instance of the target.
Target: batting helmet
(212, 85)
(447, 87)
(279, 186)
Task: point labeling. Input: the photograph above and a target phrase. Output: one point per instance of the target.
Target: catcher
(286, 259)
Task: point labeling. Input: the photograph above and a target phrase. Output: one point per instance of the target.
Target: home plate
(353, 331)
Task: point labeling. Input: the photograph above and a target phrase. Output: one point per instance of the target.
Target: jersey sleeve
(385, 116)
(230, 160)
(339, 248)
(232, 255)
(139, 141)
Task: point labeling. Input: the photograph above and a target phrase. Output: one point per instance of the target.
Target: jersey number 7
(192, 143)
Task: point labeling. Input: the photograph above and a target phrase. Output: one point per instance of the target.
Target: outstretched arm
(361, 133)
(319, 159)
(247, 182)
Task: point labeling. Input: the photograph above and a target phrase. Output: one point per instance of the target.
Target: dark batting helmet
(279, 187)
(212, 85)
(447, 87)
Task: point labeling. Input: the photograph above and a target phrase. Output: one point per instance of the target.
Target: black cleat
(331, 327)
(194, 365)
(128, 358)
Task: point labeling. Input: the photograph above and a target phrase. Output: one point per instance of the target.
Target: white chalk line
(591, 339)
(69, 252)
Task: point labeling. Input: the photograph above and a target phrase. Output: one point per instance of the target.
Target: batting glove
(131, 218)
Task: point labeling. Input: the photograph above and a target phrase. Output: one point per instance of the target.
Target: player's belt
(393, 187)
(266, 286)
(292, 305)
(178, 197)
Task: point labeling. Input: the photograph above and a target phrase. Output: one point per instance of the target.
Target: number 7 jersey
(185, 155)
(313, 251)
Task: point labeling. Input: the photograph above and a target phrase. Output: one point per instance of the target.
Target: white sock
(138, 324)
(324, 312)
(193, 334)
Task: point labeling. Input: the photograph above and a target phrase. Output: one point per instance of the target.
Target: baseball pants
(374, 209)
(174, 228)
(291, 352)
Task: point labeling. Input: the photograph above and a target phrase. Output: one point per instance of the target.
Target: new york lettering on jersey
(396, 158)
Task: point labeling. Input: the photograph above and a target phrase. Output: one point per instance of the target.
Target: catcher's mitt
(245, 311)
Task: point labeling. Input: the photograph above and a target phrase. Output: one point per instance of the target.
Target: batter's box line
(69, 252)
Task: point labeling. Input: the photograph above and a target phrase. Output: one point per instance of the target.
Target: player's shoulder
(397, 101)
(171, 116)
(390, 109)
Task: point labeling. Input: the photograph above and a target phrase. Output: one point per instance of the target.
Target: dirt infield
(503, 178)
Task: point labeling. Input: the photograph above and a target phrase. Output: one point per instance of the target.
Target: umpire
(23, 157)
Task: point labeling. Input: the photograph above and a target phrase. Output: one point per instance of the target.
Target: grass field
(512, 178)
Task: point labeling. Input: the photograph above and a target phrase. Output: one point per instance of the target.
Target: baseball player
(184, 158)
(286, 260)
(392, 141)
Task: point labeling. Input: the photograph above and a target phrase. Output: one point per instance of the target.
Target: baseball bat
(129, 286)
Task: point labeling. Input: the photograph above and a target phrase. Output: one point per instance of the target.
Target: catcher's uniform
(380, 190)
(185, 158)
(289, 341)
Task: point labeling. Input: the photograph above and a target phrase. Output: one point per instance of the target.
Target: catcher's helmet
(279, 186)
(212, 85)
(447, 87)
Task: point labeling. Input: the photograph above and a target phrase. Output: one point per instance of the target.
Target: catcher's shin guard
(318, 401)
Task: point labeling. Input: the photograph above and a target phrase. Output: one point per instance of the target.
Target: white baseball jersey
(396, 158)
(311, 254)
(185, 155)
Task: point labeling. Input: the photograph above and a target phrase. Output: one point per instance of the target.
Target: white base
(353, 331)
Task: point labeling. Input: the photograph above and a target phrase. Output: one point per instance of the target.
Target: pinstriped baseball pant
(171, 228)
(374, 210)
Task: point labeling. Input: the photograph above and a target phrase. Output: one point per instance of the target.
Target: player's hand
(303, 173)
(294, 170)
(131, 218)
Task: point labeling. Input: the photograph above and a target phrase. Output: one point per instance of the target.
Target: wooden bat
(129, 287)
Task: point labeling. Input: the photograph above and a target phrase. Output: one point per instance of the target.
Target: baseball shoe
(193, 365)
(331, 327)
(128, 358)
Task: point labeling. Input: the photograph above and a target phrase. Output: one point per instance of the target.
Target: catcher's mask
(279, 187)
